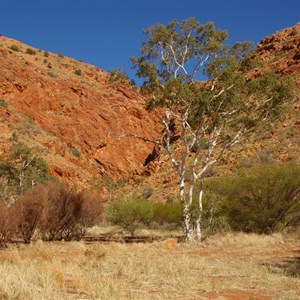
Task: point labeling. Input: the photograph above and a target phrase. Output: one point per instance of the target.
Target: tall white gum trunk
(200, 209)
(187, 228)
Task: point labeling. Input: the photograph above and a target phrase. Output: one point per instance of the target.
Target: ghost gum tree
(197, 80)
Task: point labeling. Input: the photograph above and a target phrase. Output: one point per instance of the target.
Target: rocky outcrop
(281, 52)
(84, 122)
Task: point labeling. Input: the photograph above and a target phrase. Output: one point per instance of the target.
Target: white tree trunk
(21, 180)
(200, 210)
(187, 226)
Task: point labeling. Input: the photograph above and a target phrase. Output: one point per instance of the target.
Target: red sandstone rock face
(82, 113)
(281, 51)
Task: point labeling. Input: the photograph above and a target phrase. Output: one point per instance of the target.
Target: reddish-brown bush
(69, 213)
(6, 228)
(55, 211)
(29, 211)
(92, 211)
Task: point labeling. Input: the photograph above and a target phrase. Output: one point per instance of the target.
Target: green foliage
(28, 127)
(22, 170)
(9, 182)
(52, 74)
(3, 103)
(121, 182)
(8, 170)
(263, 198)
(46, 54)
(273, 91)
(75, 153)
(163, 49)
(35, 168)
(49, 66)
(168, 214)
(77, 72)
(147, 192)
(119, 76)
(21, 151)
(250, 63)
(30, 51)
(130, 214)
(176, 56)
(15, 48)
(214, 218)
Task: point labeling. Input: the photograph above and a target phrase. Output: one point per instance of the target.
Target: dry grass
(224, 267)
(110, 230)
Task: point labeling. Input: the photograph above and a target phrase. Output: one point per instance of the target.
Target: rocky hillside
(281, 52)
(80, 122)
(72, 114)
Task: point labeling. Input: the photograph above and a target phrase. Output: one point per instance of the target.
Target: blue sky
(106, 33)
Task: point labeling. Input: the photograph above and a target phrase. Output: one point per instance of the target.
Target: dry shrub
(61, 213)
(28, 212)
(69, 213)
(55, 211)
(92, 211)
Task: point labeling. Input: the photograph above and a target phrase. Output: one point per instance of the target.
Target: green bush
(147, 192)
(130, 214)
(168, 214)
(3, 103)
(118, 76)
(30, 51)
(75, 152)
(214, 219)
(52, 74)
(262, 199)
(77, 72)
(49, 66)
(36, 170)
(46, 53)
(15, 48)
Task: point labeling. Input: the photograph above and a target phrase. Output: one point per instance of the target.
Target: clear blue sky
(106, 33)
